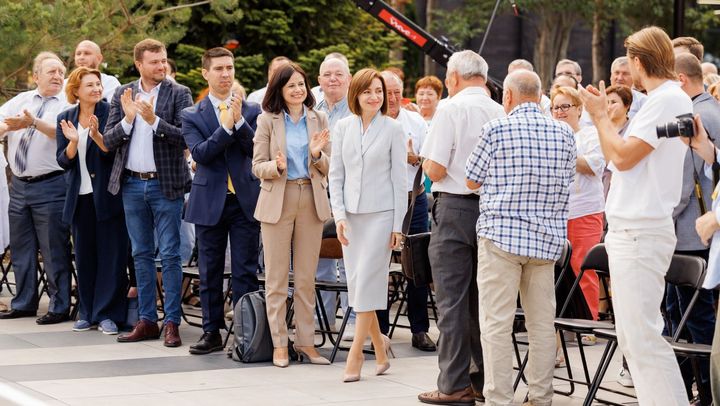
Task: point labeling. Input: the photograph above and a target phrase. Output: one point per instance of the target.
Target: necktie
(24, 145)
(224, 111)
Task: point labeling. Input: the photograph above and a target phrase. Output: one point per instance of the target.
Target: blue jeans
(148, 210)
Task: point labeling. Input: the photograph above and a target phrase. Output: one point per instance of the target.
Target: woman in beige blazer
(291, 156)
(368, 177)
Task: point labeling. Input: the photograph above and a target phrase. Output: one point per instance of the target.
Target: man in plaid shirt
(524, 164)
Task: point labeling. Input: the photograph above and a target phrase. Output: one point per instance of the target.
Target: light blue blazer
(368, 172)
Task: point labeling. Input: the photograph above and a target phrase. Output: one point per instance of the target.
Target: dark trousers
(417, 297)
(212, 241)
(453, 258)
(700, 325)
(35, 214)
(101, 261)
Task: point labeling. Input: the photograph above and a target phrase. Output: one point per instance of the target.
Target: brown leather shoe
(143, 330)
(172, 335)
(461, 397)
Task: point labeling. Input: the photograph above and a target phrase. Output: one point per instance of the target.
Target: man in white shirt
(415, 128)
(453, 135)
(88, 54)
(258, 95)
(37, 194)
(646, 187)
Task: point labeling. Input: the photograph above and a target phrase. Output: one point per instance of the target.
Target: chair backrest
(686, 270)
(597, 260)
(564, 261)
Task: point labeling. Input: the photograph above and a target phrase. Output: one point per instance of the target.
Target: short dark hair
(216, 52)
(274, 102)
(359, 83)
(689, 65)
(694, 46)
(173, 66)
(623, 92)
(147, 44)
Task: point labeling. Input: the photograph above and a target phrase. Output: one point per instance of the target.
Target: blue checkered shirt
(525, 163)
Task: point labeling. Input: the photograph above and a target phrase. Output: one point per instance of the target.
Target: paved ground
(51, 365)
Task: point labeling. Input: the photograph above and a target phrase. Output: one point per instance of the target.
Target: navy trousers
(35, 214)
(212, 241)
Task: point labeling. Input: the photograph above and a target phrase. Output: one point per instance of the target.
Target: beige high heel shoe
(380, 369)
(280, 357)
(353, 377)
(305, 352)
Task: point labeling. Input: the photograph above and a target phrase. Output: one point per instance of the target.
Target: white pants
(500, 276)
(639, 260)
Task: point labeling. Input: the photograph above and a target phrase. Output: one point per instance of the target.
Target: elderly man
(521, 231)
(522, 64)
(620, 76)
(569, 67)
(452, 136)
(37, 193)
(88, 54)
(334, 79)
(701, 323)
(414, 127)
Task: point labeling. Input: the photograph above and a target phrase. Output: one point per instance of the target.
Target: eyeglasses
(563, 107)
(558, 74)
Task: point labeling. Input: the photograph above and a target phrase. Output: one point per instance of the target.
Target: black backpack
(253, 342)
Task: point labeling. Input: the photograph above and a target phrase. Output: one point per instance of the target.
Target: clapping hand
(94, 125)
(146, 109)
(706, 225)
(236, 108)
(318, 142)
(128, 106)
(595, 101)
(412, 107)
(20, 121)
(69, 131)
(280, 161)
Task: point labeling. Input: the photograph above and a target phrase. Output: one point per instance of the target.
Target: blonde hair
(573, 94)
(653, 48)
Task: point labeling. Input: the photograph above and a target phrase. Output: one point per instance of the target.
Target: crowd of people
(121, 177)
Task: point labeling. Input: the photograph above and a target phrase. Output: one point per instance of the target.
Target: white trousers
(639, 260)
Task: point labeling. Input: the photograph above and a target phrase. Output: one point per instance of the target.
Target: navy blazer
(99, 166)
(218, 153)
(168, 142)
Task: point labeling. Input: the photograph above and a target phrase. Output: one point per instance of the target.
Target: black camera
(683, 127)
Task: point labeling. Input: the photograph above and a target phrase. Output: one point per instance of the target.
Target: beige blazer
(269, 139)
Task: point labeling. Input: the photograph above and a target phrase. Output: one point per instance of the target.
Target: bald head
(88, 55)
(709, 68)
(521, 86)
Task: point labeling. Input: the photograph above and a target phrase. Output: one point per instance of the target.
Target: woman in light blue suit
(368, 191)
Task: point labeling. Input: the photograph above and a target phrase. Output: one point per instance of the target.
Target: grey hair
(578, 69)
(342, 62)
(42, 57)
(468, 65)
(388, 75)
(521, 64)
(619, 61)
(337, 55)
(525, 83)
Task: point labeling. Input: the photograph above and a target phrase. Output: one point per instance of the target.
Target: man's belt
(471, 196)
(141, 175)
(33, 179)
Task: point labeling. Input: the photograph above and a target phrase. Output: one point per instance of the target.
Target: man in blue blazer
(219, 132)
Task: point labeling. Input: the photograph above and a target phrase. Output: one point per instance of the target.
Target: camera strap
(698, 187)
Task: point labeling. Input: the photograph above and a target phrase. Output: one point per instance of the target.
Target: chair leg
(229, 333)
(568, 368)
(340, 334)
(403, 301)
(600, 374)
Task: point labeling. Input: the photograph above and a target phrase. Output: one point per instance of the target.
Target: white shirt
(637, 102)
(415, 129)
(454, 134)
(586, 192)
(545, 105)
(645, 195)
(141, 157)
(257, 96)
(41, 156)
(85, 182)
(109, 83)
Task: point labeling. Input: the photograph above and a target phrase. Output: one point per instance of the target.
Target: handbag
(414, 256)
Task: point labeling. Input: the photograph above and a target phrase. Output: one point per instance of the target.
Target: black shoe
(53, 318)
(16, 314)
(209, 342)
(423, 342)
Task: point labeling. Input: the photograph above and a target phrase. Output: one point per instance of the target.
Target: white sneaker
(625, 379)
(349, 333)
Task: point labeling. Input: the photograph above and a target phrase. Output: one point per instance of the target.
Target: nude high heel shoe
(380, 369)
(316, 359)
(353, 377)
(280, 357)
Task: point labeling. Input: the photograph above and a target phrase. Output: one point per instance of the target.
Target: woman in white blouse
(368, 192)
(587, 202)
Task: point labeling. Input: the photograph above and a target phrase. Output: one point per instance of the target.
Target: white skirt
(367, 259)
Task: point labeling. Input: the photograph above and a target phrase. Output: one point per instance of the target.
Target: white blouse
(586, 192)
(85, 182)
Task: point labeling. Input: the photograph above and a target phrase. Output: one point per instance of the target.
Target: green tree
(30, 26)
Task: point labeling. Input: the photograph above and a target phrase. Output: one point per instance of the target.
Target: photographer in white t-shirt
(646, 187)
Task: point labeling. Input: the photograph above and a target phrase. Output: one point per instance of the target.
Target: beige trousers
(500, 276)
(299, 230)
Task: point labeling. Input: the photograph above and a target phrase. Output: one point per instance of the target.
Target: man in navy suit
(219, 132)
